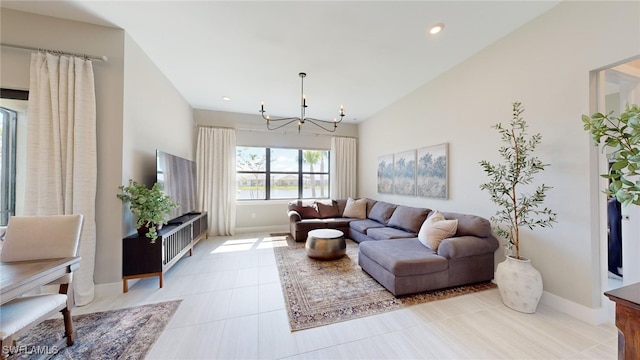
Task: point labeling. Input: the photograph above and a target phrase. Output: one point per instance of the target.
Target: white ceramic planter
(520, 284)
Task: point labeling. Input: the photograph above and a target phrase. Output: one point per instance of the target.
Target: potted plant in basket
(520, 284)
(148, 205)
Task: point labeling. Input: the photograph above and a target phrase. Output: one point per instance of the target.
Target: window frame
(9, 120)
(300, 173)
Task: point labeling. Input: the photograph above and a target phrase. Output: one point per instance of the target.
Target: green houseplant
(519, 283)
(148, 205)
(622, 136)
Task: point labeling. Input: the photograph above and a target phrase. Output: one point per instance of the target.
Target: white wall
(51, 33)
(545, 65)
(251, 131)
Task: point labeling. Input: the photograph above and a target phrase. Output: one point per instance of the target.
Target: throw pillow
(435, 229)
(355, 209)
(328, 211)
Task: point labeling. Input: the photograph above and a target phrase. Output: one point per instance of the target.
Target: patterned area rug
(319, 293)
(117, 334)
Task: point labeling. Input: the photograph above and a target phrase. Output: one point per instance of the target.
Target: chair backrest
(41, 237)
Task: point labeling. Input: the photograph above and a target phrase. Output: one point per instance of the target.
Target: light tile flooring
(233, 308)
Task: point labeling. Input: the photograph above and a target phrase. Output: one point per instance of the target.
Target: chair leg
(7, 347)
(69, 333)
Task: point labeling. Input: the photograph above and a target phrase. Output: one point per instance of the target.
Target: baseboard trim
(593, 316)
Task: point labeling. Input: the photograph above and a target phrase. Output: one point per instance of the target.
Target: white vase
(520, 284)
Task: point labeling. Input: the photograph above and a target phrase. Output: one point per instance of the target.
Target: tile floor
(233, 308)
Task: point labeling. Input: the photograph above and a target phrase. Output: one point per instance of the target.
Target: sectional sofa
(391, 251)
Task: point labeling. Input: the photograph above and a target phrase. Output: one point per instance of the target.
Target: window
(8, 125)
(276, 173)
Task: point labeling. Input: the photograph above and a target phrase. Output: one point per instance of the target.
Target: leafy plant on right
(621, 135)
(519, 165)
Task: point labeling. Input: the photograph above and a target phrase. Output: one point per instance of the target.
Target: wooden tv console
(141, 258)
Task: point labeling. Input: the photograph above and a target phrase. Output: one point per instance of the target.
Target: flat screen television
(178, 179)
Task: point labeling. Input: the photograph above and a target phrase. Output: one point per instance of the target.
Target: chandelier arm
(325, 121)
(280, 119)
(282, 125)
(313, 121)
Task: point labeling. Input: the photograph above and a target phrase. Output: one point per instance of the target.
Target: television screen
(178, 179)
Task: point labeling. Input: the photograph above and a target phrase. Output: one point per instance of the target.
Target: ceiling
(359, 54)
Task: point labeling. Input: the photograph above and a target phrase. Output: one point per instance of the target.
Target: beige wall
(133, 98)
(251, 131)
(545, 65)
(41, 31)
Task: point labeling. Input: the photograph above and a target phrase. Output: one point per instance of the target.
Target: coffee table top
(326, 233)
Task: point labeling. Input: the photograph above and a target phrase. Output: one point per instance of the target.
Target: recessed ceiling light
(226, 98)
(436, 28)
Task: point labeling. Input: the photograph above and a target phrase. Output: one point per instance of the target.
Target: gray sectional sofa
(389, 249)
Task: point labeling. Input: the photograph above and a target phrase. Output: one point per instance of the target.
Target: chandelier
(326, 125)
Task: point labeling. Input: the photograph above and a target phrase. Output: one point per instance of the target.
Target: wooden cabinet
(627, 301)
(141, 258)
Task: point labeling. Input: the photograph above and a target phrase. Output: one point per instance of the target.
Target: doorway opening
(618, 86)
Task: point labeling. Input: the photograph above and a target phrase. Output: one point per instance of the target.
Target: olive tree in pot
(519, 283)
(149, 206)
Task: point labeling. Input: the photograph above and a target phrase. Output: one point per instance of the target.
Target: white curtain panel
(61, 171)
(216, 164)
(343, 167)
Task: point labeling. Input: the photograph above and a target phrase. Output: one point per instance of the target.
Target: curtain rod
(277, 132)
(94, 57)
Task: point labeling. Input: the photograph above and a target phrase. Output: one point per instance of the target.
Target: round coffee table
(325, 244)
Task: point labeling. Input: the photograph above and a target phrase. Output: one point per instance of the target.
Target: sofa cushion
(306, 211)
(355, 209)
(328, 209)
(404, 257)
(384, 233)
(408, 218)
(362, 226)
(470, 225)
(435, 229)
(382, 211)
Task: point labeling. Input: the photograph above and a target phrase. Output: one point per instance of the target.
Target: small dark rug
(116, 334)
(319, 292)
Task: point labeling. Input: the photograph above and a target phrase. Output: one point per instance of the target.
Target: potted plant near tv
(519, 283)
(149, 206)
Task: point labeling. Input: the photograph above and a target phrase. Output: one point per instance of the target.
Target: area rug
(117, 334)
(319, 292)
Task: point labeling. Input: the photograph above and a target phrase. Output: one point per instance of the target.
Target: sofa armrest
(462, 246)
(293, 216)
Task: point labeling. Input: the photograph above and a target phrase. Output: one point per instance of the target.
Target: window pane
(315, 161)
(321, 188)
(284, 160)
(284, 186)
(251, 159)
(251, 186)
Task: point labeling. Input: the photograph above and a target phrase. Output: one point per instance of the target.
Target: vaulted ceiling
(360, 54)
